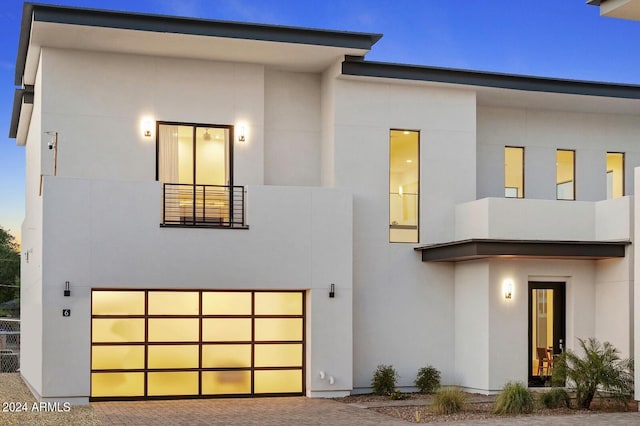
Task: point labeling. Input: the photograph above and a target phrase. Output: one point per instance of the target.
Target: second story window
(404, 185)
(565, 174)
(513, 172)
(195, 166)
(615, 175)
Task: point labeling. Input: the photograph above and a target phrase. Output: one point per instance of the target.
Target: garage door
(178, 344)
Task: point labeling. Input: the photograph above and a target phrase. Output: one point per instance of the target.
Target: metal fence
(9, 345)
(203, 205)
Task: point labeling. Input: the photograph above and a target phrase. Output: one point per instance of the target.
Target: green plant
(515, 398)
(384, 380)
(396, 395)
(599, 371)
(555, 398)
(448, 400)
(428, 379)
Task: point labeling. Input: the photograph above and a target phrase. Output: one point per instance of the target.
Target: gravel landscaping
(416, 408)
(19, 407)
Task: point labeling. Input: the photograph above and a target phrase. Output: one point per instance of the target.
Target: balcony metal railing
(203, 205)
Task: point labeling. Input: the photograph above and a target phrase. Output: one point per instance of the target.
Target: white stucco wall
(31, 353)
(106, 234)
(542, 133)
(97, 102)
(292, 128)
(491, 331)
(403, 308)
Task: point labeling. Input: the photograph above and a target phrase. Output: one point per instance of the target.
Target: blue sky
(562, 38)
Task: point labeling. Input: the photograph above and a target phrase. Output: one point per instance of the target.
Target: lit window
(513, 172)
(565, 174)
(615, 175)
(404, 186)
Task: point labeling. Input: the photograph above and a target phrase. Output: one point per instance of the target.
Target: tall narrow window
(404, 185)
(565, 174)
(513, 172)
(615, 175)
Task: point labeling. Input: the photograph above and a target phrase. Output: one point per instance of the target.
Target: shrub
(448, 400)
(599, 371)
(384, 380)
(555, 398)
(428, 379)
(515, 398)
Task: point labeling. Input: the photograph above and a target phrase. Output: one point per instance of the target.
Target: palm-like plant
(600, 369)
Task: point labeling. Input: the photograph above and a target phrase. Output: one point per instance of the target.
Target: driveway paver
(301, 411)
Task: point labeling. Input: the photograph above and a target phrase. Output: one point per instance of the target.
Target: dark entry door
(547, 320)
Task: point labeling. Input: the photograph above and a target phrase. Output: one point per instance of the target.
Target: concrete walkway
(300, 411)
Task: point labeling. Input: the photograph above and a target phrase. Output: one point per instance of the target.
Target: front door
(546, 329)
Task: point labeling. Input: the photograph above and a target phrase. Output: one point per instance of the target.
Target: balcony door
(546, 329)
(194, 164)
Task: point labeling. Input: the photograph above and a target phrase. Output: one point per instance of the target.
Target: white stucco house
(220, 208)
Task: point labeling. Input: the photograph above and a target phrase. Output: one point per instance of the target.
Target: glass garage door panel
(165, 344)
(278, 381)
(117, 384)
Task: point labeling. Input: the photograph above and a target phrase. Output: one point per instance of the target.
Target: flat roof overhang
(457, 251)
(299, 48)
(507, 90)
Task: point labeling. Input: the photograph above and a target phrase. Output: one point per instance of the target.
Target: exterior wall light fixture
(242, 134)
(67, 290)
(507, 288)
(147, 127)
(332, 291)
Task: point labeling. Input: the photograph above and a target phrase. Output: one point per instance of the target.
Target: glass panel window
(226, 382)
(513, 172)
(117, 303)
(226, 303)
(173, 330)
(117, 357)
(404, 185)
(194, 165)
(278, 303)
(615, 175)
(278, 381)
(565, 174)
(276, 329)
(117, 384)
(283, 355)
(226, 356)
(226, 329)
(173, 303)
(118, 330)
(172, 383)
(172, 356)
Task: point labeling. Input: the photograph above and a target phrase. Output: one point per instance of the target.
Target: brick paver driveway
(299, 411)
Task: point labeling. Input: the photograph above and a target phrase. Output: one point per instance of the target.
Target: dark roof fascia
(551, 249)
(358, 67)
(182, 25)
(21, 96)
(595, 2)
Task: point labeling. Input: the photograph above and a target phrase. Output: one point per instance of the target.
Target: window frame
(573, 168)
(523, 171)
(394, 129)
(623, 172)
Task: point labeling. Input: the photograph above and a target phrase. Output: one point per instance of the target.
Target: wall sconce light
(67, 290)
(322, 375)
(332, 290)
(147, 127)
(332, 380)
(242, 134)
(507, 288)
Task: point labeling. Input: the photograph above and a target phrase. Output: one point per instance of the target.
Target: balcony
(205, 206)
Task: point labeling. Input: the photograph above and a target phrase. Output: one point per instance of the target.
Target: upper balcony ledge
(544, 220)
